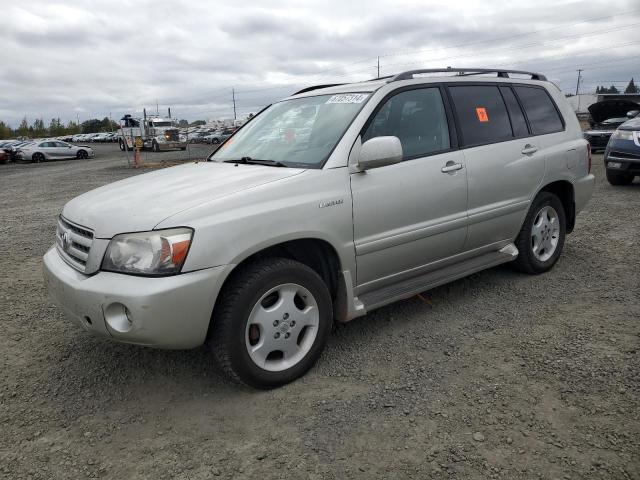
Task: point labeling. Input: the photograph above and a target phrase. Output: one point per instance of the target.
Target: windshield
(299, 133)
(162, 124)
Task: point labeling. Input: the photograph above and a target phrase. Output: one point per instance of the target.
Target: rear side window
(481, 113)
(540, 109)
(417, 118)
(518, 123)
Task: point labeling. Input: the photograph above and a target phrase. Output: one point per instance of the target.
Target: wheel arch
(318, 254)
(564, 190)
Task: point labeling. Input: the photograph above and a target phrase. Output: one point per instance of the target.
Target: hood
(140, 203)
(600, 111)
(633, 124)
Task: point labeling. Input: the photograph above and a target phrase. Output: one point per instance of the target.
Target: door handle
(529, 149)
(451, 167)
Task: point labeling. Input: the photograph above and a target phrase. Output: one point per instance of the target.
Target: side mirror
(379, 152)
(633, 113)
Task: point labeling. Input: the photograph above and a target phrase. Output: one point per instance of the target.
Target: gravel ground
(499, 375)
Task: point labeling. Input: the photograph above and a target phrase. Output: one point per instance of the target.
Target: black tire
(618, 179)
(527, 262)
(215, 141)
(155, 147)
(237, 299)
(37, 157)
(183, 148)
(82, 155)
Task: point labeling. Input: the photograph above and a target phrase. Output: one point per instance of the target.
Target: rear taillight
(588, 158)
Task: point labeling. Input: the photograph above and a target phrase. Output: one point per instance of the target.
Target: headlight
(160, 252)
(622, 135)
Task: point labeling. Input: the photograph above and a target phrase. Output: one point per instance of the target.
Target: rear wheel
(618, 179)
(542, 235)
(82, 154)
(37, 157)
(271, 323)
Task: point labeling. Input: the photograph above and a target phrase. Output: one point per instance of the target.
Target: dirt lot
(499, 375)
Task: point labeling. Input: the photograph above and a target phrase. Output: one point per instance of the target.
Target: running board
(415, 285)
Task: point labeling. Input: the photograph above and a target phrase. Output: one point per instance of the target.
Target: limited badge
(481, 112)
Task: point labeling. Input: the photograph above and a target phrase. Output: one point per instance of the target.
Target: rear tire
(266, 345)
(618, 179)
(542, 235)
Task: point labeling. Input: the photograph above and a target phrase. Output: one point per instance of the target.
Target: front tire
(618, 179)
(82, 155)
(271, 323)
(541, 238)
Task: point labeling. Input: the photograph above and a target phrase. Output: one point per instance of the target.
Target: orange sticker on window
(482, 114)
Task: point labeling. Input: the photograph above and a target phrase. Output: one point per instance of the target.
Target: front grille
(74, 243)
(172, 135)
(630, 156)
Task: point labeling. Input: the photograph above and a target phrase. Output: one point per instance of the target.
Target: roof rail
(316, 87)
(408, 75)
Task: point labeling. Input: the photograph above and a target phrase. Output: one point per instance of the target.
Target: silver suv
(328, 204)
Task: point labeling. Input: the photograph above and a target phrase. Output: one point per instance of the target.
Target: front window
(162, 124)
(300, 132)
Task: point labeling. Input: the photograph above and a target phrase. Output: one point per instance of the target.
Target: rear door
(408, 215)
(504, 163)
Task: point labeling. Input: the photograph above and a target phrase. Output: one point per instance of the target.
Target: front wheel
(618, 179)
(82, 155)
(542, 235)
(271, 323)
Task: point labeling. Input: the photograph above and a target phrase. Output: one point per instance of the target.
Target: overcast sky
(95, 58)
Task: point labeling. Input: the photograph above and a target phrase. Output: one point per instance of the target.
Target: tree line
(631, 88)
(56, 128)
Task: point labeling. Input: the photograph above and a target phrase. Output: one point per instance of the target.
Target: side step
(412, 286)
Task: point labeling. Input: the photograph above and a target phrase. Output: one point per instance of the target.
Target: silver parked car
(39, 151)
(328, 204)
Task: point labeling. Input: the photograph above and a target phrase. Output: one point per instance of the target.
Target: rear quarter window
(540, 110)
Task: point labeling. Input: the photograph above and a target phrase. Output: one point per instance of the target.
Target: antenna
(233, 96)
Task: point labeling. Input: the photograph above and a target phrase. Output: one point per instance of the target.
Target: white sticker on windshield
(348, 98)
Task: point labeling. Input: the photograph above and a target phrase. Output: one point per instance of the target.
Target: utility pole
(378, 67)
(233, 96)
(578, 82)
(157, 109)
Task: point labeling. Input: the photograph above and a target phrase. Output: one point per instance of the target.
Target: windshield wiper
(257, 161)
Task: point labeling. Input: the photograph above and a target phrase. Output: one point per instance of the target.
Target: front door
(413, 213)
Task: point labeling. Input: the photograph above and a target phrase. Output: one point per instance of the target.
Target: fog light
(118, 317)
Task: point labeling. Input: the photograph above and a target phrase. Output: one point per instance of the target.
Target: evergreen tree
(631, 88)
(23, 129)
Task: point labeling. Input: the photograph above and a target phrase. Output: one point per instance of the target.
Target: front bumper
(629, 162)
(164, 312)
(171, 145)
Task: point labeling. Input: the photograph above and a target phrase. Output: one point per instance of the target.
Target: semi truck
(157, 133)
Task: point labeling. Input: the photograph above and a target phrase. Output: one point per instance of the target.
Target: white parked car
(53, 150)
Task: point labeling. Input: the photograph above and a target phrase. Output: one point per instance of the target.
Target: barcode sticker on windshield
(348, 98)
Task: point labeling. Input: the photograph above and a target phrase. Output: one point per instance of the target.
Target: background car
(52, 150)
(622, 156)
(606, 116)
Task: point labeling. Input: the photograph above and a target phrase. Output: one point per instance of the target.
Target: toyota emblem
(66, 241)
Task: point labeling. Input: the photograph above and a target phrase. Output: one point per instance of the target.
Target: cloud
(62, 57)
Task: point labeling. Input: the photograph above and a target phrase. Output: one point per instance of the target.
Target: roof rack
(408, 75)
(316, 87)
